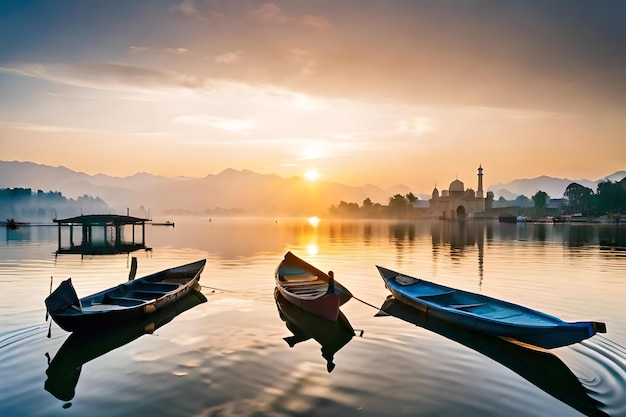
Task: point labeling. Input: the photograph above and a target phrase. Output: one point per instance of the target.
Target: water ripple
(601, 368)
(20, 335)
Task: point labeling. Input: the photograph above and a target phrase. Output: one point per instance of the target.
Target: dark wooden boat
(81, 347)
(13, 225)
(538, 366)
(309, 288)
(126, 301)
(507, 218)
(486, 314)
(331, 335)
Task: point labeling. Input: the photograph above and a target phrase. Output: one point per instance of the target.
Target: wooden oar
(49, 295)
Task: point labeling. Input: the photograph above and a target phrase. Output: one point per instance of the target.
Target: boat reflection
(538, 366)
(331, 335)
(81, 347)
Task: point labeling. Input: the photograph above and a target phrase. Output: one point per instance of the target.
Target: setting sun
(314, 221)
(312, 175)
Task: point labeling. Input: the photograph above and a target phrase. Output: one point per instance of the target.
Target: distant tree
(398, 204)
(367, 204)
(540, 199)
(612, 196)
(411, 198)
(24, 203)
(580, 198)
(345, 209)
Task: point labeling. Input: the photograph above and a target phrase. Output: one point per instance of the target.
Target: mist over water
(226, 356)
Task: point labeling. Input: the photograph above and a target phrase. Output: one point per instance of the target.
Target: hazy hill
(252, 192)
(555, 187)
(232, 189)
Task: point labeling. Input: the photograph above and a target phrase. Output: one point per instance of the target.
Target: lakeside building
(457, 202)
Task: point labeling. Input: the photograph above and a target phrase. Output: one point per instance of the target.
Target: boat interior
(131, 295)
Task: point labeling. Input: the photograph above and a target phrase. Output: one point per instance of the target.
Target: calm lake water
(223, 352)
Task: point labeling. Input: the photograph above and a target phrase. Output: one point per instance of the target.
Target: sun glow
(314, 221)
(312, 175)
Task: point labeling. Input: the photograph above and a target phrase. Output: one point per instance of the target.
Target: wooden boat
(81, 347)
(538, 366)
(13, 225)
(309, 288)
(486, 314)
(126, 301)
(331, 335)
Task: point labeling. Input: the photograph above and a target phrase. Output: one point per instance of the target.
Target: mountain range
(244, 191)
(554, 187)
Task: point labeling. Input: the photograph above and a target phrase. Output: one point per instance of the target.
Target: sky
(379, 92)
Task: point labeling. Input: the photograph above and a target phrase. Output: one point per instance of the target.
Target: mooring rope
(366, 303)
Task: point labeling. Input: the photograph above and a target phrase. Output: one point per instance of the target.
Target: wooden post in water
(133, 268)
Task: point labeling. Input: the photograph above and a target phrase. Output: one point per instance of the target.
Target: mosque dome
(456, 185)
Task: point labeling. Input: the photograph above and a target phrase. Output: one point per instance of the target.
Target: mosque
(458, 203)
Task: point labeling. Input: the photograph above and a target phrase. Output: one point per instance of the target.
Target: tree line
(609, 199)
(400, 206)
(24, 204)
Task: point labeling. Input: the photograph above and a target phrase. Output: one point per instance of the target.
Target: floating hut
(102, 234)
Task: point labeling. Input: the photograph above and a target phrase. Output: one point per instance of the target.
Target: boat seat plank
(312, 291)
(122, 301)
(318, 283)
(299, 277)
(308, 289)
(104, 307)
(466, 306)
(438, 294)
(302, 283)
(142, 291)
(145, 295)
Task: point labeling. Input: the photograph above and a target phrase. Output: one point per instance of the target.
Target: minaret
(479, 193)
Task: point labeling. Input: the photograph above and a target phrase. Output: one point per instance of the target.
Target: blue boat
(486, 314)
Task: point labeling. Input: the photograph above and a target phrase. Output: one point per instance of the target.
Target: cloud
(228, 57)
(298, 52)
(189, 8)
(239, 126)
(137, 49)
(104, 76)
(32, 127)
(416, 126)
(270, 13)
(177, 51)
(316, 21)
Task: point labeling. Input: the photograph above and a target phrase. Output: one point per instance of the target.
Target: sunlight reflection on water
(227, 356)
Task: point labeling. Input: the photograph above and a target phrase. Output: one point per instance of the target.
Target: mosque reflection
(538, 366)
(332, 336)
(81, 347)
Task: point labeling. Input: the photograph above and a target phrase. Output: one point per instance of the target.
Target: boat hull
(323, 302)
(538, 366)
(486, 314)
(129, 301)
(326, 306)
(81, 347)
